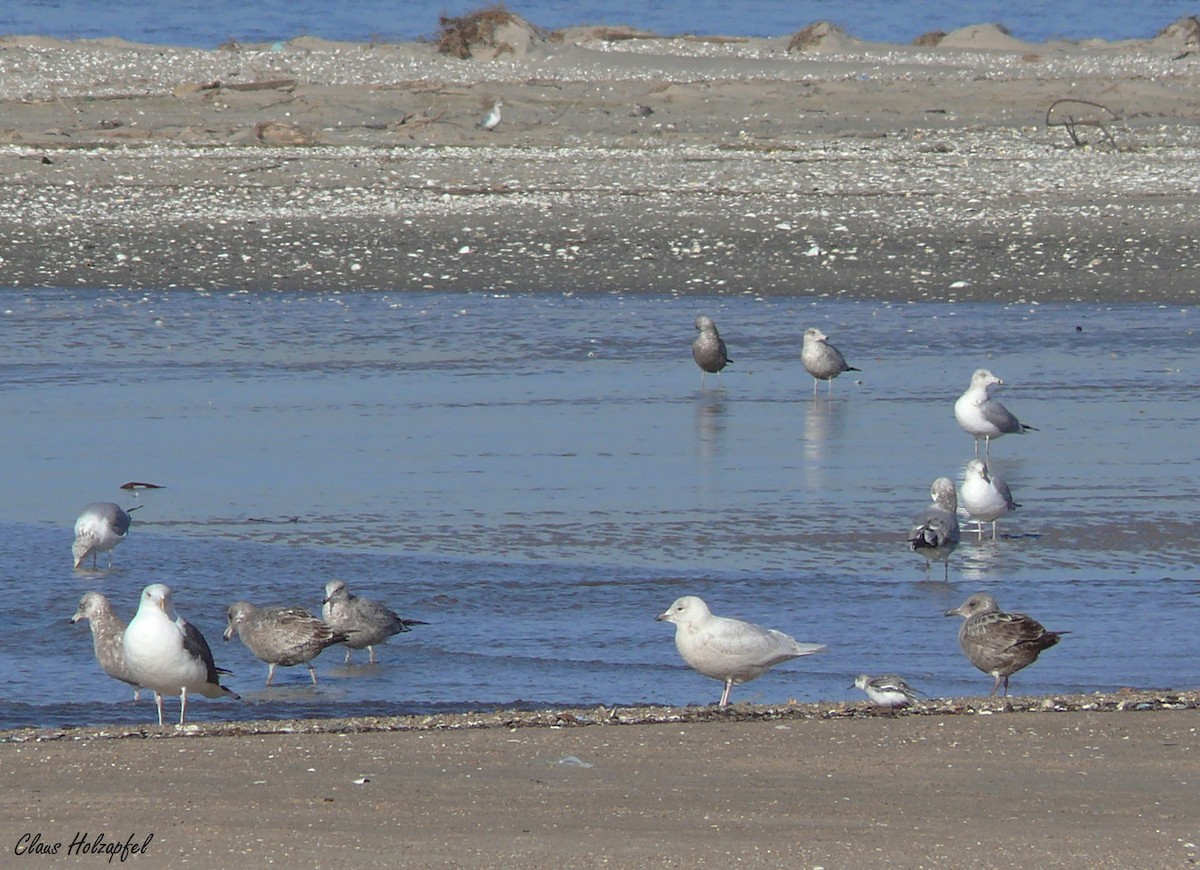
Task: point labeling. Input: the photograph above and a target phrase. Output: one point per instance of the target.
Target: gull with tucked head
(708, 350)
(934, 533)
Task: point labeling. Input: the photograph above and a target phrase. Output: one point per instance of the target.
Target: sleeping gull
(491, 117)
(99, 529)
(985, 496)
(890, 691)
(1000, 643)
(108, 634)
(934, 532)
(728, 649)
(281, 635)
(365, 622)
(821, 359)
(169, 655)
(708, 350)
(982, 416)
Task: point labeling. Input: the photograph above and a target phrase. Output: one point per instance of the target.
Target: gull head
(942, 492)
(978, 603)
(89, 606)
(704, 323)
(977, 467)
(687, 610)
(157, 595)
(814, 334)
(985, 379)
(332, 588)
(238, 613)
(860, 682)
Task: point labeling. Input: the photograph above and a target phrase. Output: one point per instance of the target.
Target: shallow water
(538, 476)
(213, 22)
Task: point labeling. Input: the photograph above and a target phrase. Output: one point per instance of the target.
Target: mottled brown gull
(728, 650)
(1000, 643)
(888, 691)
(169, 655)
(821, 359)
(281, 635)
(108, 637)
(984, 417)
(100, 527)
(985, 496)
(708, 350)
(934, 533)
(365, 622)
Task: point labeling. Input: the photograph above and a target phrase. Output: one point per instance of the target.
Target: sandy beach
(634, 164)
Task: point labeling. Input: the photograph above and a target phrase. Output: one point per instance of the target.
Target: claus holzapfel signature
(83, 844)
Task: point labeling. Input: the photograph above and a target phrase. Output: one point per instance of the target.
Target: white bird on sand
(985, 496)
(108, 636)
(1000, 643)
(491, 117)
(934, 533)
(365, 622)
(821, 359)
(708, 350)
(169, 655)
(101, 526)
(728, 650)
(982, 416)
(281, 635)
(889, 691)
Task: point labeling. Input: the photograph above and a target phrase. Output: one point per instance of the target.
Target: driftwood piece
(1072, 114)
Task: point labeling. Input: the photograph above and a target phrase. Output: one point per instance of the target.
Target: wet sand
(848, 169)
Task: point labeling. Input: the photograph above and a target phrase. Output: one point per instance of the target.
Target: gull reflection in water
(710, 422)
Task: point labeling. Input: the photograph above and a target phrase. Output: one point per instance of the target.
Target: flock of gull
(995, 642)
(164, 653)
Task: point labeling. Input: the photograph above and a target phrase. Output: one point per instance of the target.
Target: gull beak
(955, 612)
(228, 633)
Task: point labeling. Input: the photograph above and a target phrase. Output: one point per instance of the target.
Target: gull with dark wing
(888, 691)
(365, 622)
(108, 637)
(100, 527)
(169, 655)
(984, 417)
(1000, 643)
(708, 350)
(821, 359)
(728, 650)
(281, 635)
(934, 533)
(985, 496)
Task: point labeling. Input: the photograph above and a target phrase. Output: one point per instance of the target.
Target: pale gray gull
(708, 350)
(935, 532)
(888, 691)
(168, 655)
(1000, 643)
(365, 622)
(108, 636)
(985, 496)
(281, 635)
(982, 416)
(101, 526)
(821, 359)
(728, 650)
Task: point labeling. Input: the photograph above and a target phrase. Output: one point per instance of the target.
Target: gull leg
(371, 654)
(270, 672)
(158, 703)
(995, 686)
(993, 530)
(725, 695)
(182, 705)
(347, 661)
(312, 672)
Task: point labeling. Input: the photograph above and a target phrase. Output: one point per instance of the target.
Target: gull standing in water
(1000, 643)
(169, 655)
(108, 636)
(890, 691)
(364, 622)
(821, 359)
(982, 416)
(985, 496)
(281, 635)
(935, 533)
(101, 526)
(708, 350)
(728, 650)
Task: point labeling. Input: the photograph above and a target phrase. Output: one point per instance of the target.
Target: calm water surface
(538, 476)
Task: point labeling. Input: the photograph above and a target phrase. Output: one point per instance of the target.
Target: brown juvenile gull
(934, 532)
(1000, 643)
(708, 350)
(281, 635)
(364, 621)
(99, 529)
(889, 691)
(821, 359)
(982, 416)
(728, 650)
(108, 635)
(985, 496)
(169, 655)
